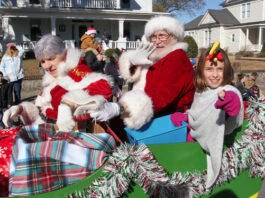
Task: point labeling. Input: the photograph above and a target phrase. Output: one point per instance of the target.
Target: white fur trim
(84, 101)
(81, 97)
(69, 84)
(180, 45)
(140, 107)
(125, 64)
(170, 24)
(43, 101)
(140, 84)
(47, 79)
(88, 32)
(30, 114)
(72, 59)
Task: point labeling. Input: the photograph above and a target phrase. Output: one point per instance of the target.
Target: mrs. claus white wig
(170, 24)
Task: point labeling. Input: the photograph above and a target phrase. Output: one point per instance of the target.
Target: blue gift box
(159, 131)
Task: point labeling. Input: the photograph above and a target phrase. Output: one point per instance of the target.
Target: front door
(82, 30)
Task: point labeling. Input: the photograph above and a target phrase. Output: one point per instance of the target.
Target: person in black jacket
(240, 85)
(94, 60)
(5, 97)
(112, 70)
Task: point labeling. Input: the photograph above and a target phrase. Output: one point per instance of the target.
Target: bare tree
(188, 6)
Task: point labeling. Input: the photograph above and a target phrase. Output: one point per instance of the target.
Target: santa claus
(70, 88)
(161, 72)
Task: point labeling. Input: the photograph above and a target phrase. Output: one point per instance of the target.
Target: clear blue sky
(210, 4)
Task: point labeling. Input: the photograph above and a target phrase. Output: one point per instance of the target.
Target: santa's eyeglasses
(161, 37)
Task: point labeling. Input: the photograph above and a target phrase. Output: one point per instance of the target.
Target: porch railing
(127, 45)
(102, 4)
(28, 45)
(254, 47)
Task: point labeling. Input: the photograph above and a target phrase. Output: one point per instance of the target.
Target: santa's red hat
(91, 31)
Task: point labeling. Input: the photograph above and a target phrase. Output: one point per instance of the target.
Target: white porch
(253, 38)
(26, 31)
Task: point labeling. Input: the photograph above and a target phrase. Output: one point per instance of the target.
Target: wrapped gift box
(159, 131)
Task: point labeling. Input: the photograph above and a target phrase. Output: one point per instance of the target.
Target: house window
(248, 10)
(62, 28)
(233, 38)
(206, 36)
(125, 3)
(34, 1)
(245, 10)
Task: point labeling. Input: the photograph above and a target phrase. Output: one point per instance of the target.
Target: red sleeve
(172, 85)
(100, 87)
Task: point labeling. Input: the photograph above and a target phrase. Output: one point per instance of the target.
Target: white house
(23, 21)
(239, 26)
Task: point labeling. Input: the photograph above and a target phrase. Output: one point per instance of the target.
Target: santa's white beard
(158, 54)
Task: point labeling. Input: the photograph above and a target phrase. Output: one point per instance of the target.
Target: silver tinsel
(136, 163)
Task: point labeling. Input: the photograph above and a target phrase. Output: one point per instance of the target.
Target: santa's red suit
(159, 89)
(77, 83)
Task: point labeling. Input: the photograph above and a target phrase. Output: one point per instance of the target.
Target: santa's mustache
(162, 50)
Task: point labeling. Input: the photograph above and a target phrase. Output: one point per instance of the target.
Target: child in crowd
(253, 93)
(251, 81)
(216, 110)
(88, 39)
(5, 97)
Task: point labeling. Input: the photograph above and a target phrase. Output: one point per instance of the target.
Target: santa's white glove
(109, 110)
(65, 121)
(141, 54)
(10, 113)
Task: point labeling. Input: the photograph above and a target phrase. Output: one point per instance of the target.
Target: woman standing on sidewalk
(11, 66)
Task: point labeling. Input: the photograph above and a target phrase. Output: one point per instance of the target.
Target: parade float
(179, 169)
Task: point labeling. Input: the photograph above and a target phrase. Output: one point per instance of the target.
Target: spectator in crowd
(5, 97)
(193, 62)
(88, 39)
(162, 74)
(106, 37)
(251, 80)
(94, 60)
(112, 70)
(253, 93)
(11, 67)
(240, 85)
(98, 42)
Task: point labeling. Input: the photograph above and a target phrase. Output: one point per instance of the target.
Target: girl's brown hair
(199, 80)
(12, 51)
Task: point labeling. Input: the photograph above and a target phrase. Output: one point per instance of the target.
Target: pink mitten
(178, 117)
(230, 104)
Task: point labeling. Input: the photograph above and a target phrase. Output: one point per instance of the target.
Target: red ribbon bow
(214, 57)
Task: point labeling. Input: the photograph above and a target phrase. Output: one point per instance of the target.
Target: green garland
(136, 163)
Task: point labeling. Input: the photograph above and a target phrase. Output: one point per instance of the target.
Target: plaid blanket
(43, 160)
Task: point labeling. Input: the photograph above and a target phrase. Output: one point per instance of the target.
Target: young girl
(216, 109)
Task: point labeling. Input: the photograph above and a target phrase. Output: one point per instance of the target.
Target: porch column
(53, 26)
(121, 29)
(46, 3)
(118, 4)
(5, 25)
(260, 38)
(247, 35)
